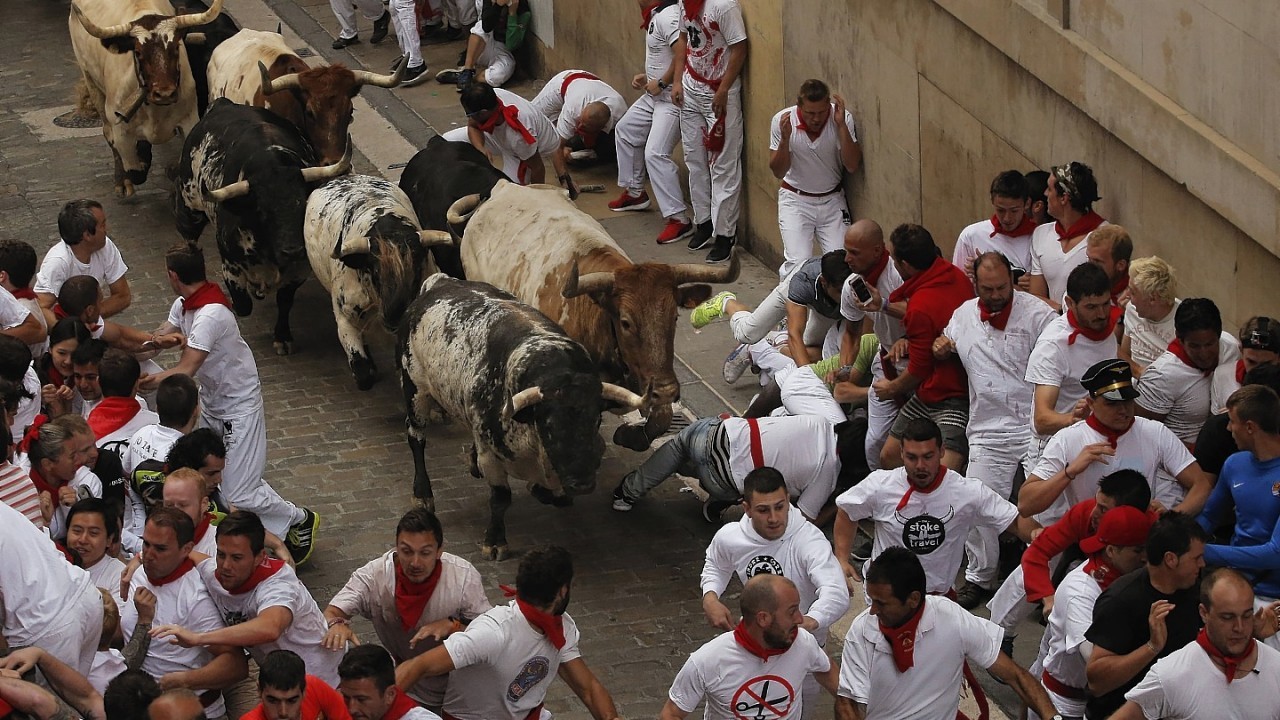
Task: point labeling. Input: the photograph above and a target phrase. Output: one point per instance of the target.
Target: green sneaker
(300, 540)
(710, 311)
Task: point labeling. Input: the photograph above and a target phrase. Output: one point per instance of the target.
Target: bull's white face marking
(233, 66)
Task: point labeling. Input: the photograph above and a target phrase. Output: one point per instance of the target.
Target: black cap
(1110, 379)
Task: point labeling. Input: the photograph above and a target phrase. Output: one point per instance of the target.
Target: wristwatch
(663, 86)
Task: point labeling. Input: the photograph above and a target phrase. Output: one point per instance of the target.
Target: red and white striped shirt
(18, 492)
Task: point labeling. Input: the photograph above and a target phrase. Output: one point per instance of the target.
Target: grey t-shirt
(803, 289)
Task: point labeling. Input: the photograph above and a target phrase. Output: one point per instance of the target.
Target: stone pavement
(342, 452)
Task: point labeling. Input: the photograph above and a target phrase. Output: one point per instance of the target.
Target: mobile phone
(1018, 273)
(860, 289)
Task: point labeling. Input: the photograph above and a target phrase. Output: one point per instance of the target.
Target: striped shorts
(951, 415)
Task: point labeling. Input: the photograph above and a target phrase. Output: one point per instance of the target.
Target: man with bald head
(178, 704)
(584, 110)
(759, 667)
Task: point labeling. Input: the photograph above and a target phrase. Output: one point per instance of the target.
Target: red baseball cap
(1124, 526)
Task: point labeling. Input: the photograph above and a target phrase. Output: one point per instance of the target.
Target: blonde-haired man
(1148, 319)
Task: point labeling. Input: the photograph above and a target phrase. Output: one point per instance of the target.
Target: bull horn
(182, 22)
(284, 82)
(690, 273)
(524, 399)
(234, 190)
(364, 77)
(328, 172)
(195, 39)
(462, 209)
(590, 283)
(620, 395)
(434, 237)
(101, 33)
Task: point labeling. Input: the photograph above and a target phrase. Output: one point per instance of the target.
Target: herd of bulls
(516, 313)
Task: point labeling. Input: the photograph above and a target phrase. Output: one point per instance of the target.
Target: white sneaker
(736, 364)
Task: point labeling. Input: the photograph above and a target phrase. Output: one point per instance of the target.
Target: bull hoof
(547, 497)
(632, 437)
(428, 504)
(284, 347)
(495, 552)
(124, 189)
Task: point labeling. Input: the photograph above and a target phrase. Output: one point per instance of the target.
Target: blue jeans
(688, 453)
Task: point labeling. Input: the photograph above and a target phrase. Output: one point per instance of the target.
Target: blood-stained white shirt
(708, 38)
(1187, 685)
(736, 684)
(933, 525)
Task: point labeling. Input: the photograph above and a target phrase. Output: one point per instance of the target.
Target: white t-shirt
(662, 33)
(511, 142)
(801, 447)
(1147, 447)
(932, 525)
(1070, 620)
(802, 554)
(106, 574)
(106, 266)
(888, 329)
(151, 442)
(1221, 385)
(229, 376)
(1048, 260)
(1000, 397)
(1148, 339)
(708, 38)
(1057, 363)
(184, 602)
(815, 164)
(566, 110)
(946, 636)
(1180, 392)
(12, 312)
(86, 485)
(1187, 685)
(503, 666)
(40, 588)
(984, 236)
(33, 306)
(737, 684)
(371, 592)
(283, 589)
(28, 407)
(118, 439)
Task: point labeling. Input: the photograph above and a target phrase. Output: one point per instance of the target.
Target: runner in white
(993, 336)
(924, 507)
(185, 490)
(1259, 343)
(757, 669)
(708, 88)
(1224, 674)
(505, 125)
(85, 249)
(180, 597)
(486, 48)
(92, 528)
(652, 126)
(904, 656)
(119, 414)
(178, 409)
(57, 451)
(263, 603)
(502, 666)
(17, 273)
(1148, 318)
(811, 164)
(416, 595)
(1007, 232)
(368, 686)
(1059, 247)
(584, 110)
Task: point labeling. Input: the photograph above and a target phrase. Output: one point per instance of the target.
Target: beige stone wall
(1172, 113)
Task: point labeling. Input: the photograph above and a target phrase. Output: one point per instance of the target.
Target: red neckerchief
(872, 276)
(178, 572)
(1112, 436)
(1026, 227)
(693, 8)
(1240, 371)
(33, 430)
(902, 640)
(264, 570)
(61, 314)
(1117, 289)
(912, 489)
(996, 320)
(1101, 571)
(748, 643)
(1180, 351)
(646, 12)
(112, 414)
(25, 293)
(400, 706)
(1083, 226)
(1229, 662)
(412, 597)
(43, 485)
(206, 521)
(551, 625)
(1094, 335)
(207, 294)
(923, 277)
(511, 114)
(802, 125)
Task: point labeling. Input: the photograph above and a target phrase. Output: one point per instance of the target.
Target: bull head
(240, 188)
(293, 82)
(360, 245)
(180, 22)
(602, 282)
(462, 209)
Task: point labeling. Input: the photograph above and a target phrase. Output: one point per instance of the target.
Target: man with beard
(993, 335)
(1008, 232)
(758, 667)
(773, 538)
(1110, 248)
(925, 507)
(415, 594)
(1225, 673)
(903, 656)
(500, 668)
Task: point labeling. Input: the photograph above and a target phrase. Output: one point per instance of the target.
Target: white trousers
(498, 62)
(404, 18)
(242, 479)
(802, 219)
(456, 13)
(880, 417)
(996, 465)
(715, 182)
(346, 13)
(651, 125)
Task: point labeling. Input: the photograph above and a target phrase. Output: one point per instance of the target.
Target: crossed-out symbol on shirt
(767, 696)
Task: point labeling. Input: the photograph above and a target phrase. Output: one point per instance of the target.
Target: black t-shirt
(1214, 444)
(1120, 626)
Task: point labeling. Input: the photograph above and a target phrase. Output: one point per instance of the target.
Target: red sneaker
(675, 230)
(626, 201)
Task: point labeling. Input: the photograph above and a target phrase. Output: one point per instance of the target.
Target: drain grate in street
(304, 52)
(74, 121)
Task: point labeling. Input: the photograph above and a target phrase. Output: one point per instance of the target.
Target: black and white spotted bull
(367, 249)
(247, 171)
(530, 395)
(535, 243)
(438, 176)
(134, 64)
